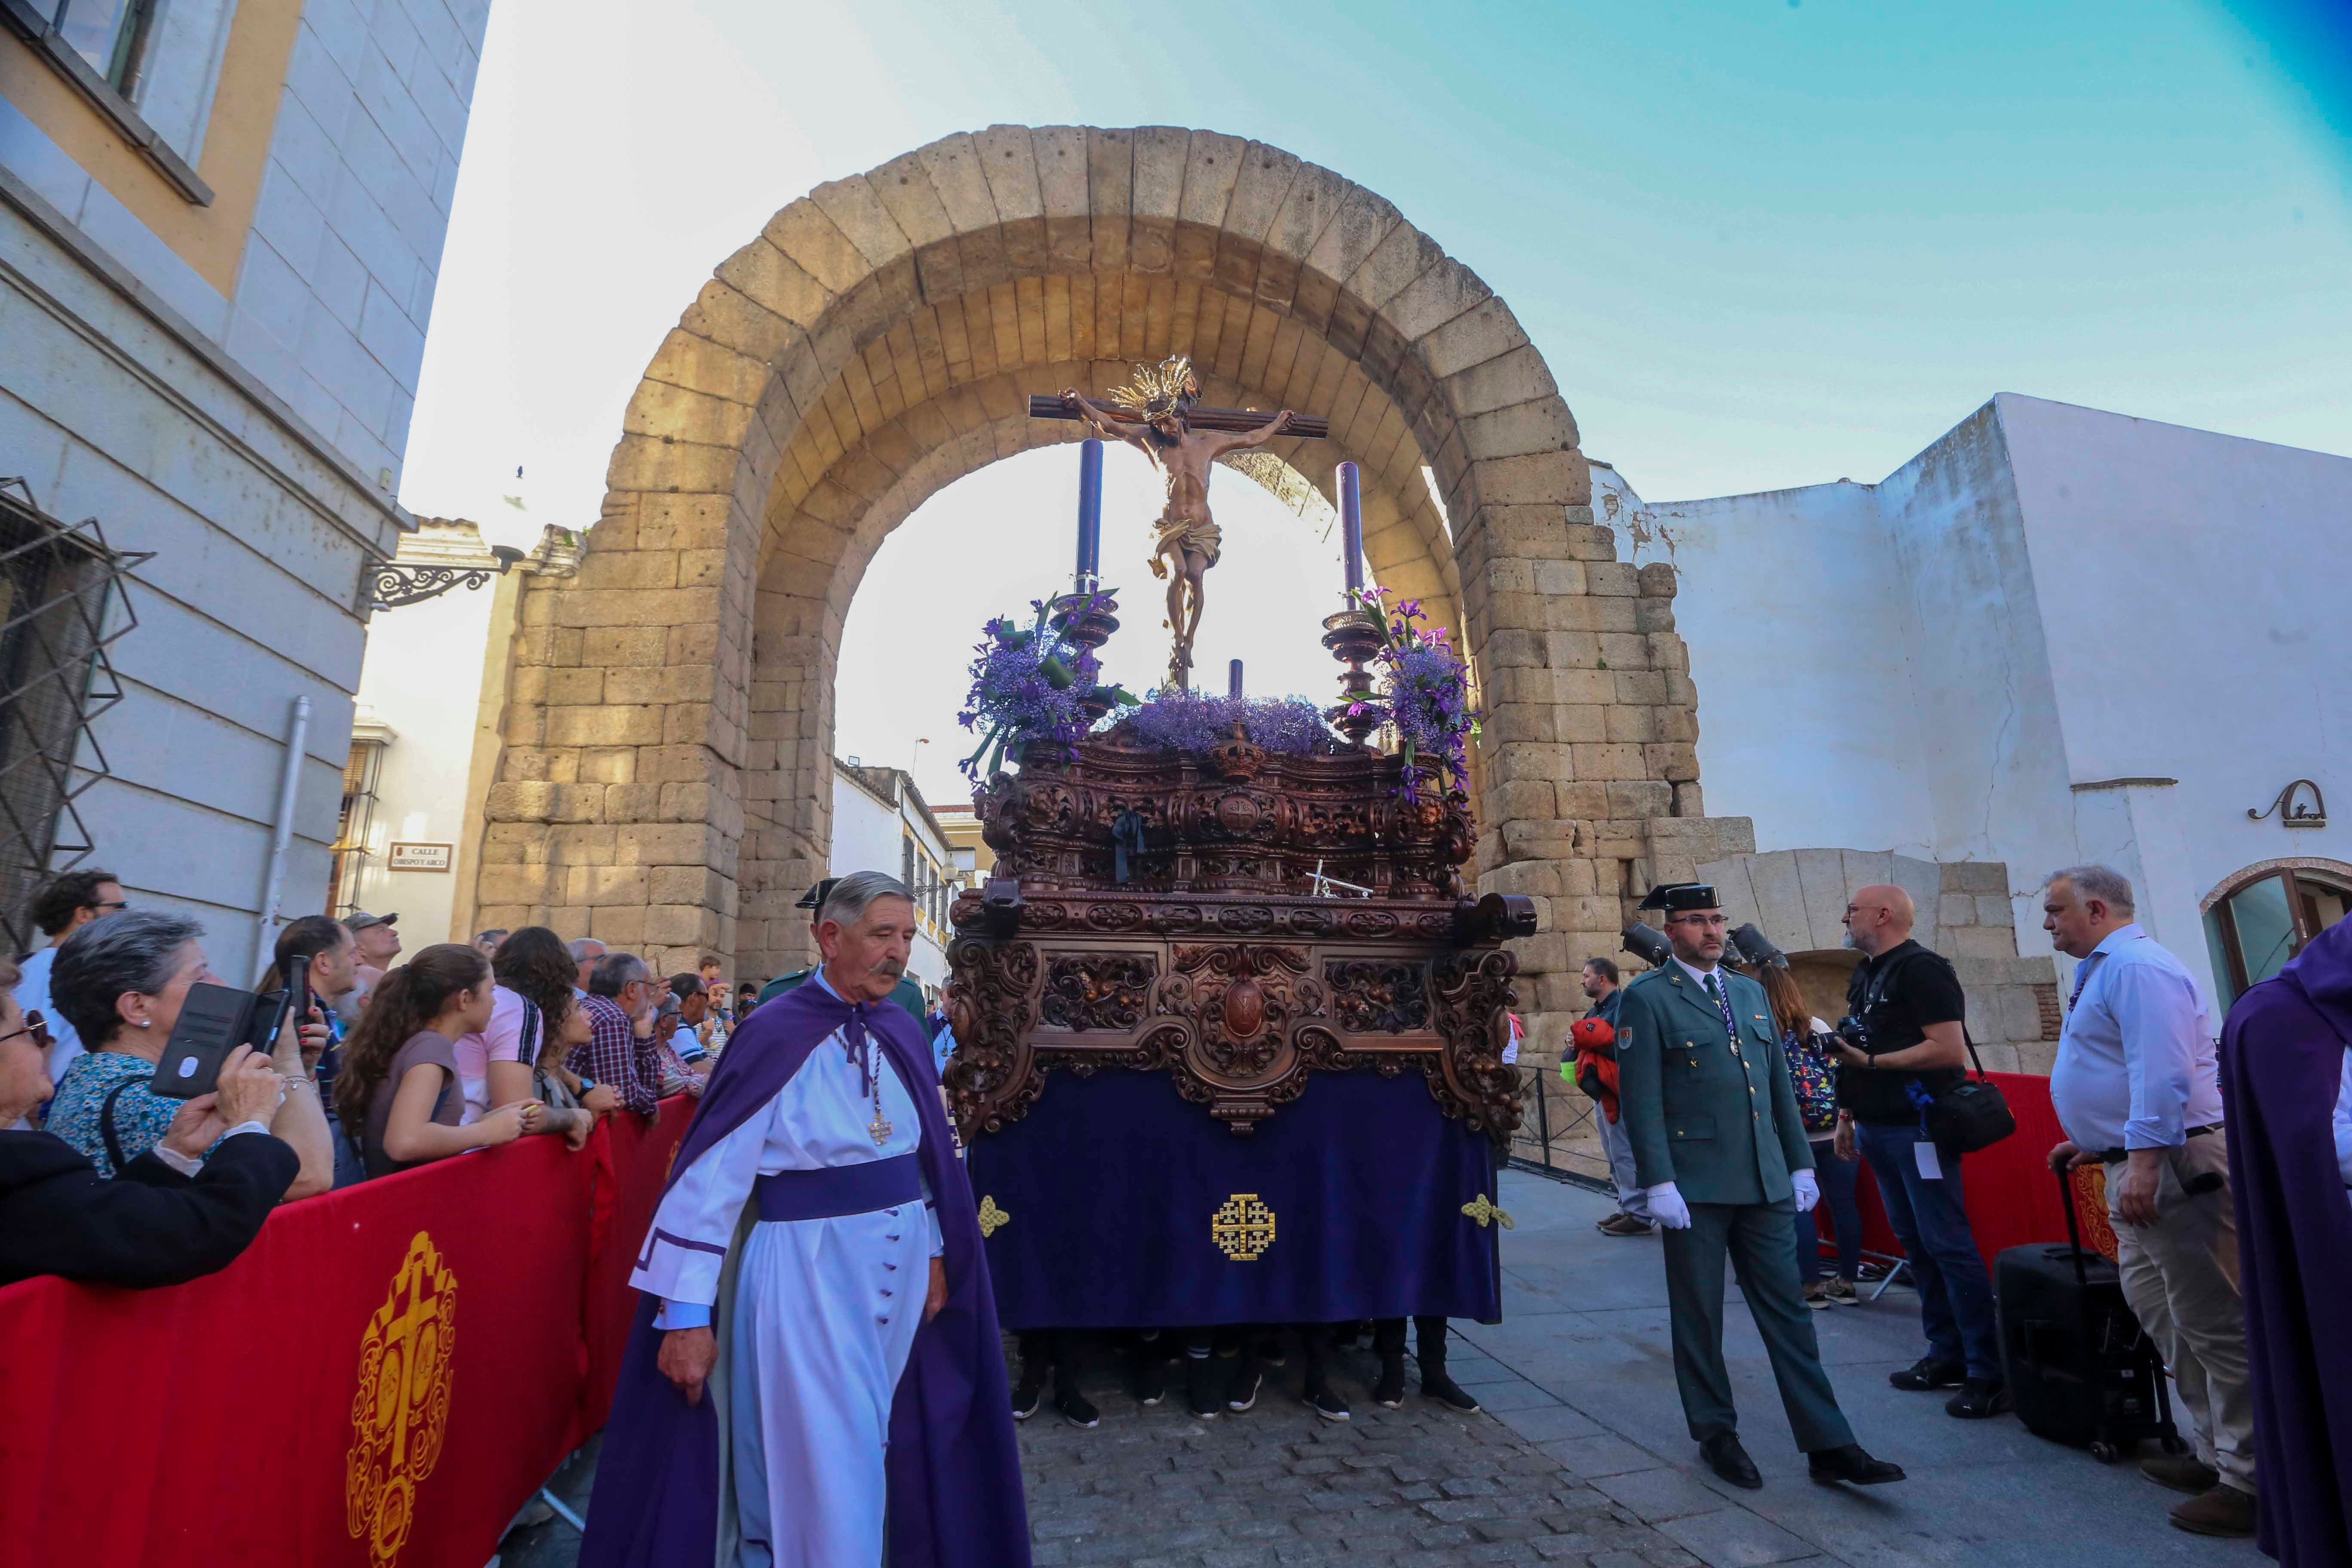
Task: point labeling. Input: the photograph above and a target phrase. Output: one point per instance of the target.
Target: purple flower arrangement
(1029, 683)
(1192, 721)
(1424, 695)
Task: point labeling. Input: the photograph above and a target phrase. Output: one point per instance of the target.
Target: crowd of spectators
(388, 1064)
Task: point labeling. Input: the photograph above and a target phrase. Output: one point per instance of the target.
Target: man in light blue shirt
(2135, 1089)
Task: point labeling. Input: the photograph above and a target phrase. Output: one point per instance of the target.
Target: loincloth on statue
(1176, 537)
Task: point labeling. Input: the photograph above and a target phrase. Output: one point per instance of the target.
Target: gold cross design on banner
(1487, 1214)
(402, 1407)
(1243, 1228)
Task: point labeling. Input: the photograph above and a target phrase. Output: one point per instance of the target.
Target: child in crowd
(399, 1084)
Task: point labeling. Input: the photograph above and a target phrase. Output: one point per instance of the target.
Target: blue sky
(1759, 244)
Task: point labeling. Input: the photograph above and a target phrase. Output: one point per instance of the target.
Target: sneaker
(1028, 1393)
(1872, 1273)
(1978, 1398)
(1927, 1374)
(1817, 1296)
(1622, 1224)
(1199, 1388)
(1075, 1410)
(1269, 1351)
(2181, 1472)
(1388, 1390)
(1446, 1392)
(1839, 1290)
(1244, 1393)
(1324, 1402)
(1151, 1380)
(2217, 1510)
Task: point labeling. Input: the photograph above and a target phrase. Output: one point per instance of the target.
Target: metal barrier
(1556, 1136)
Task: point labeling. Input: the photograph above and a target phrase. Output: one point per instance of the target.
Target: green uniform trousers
(1762, 1241)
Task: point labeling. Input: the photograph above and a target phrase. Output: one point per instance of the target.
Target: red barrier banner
(384, 1377)
(2013, 1199)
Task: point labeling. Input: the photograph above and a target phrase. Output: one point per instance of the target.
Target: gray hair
(132, 952)
(578, 948)
(616, 972)
(851, 896)
(2105, 883)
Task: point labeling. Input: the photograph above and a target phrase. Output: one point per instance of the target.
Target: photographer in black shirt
(1902, 1043)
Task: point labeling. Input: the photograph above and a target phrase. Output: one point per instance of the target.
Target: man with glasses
(1720, 1148)
(65, 906)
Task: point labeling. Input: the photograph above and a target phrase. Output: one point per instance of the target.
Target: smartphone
(215, 1020)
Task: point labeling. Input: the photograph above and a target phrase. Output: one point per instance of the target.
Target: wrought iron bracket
(394, 583)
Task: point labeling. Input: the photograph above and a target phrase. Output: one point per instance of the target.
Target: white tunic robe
(824, 1313)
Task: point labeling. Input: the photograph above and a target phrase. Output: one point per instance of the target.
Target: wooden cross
(1312, 426)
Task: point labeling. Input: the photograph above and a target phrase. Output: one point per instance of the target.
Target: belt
(838, 1190)
(2117, 1156)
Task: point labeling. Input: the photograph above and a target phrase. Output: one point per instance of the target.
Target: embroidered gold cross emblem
(991, 1217)
(1243, 1228)
(1485, 1213)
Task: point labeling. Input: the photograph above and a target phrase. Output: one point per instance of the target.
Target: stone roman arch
(664, 781)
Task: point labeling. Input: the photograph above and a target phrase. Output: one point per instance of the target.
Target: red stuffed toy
(1596, 1062)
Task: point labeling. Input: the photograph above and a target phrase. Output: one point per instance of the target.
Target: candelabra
(1353, 635)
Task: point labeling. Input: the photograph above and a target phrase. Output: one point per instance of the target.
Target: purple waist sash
(839, 1190)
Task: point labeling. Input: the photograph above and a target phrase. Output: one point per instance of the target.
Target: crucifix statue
(1159, 414)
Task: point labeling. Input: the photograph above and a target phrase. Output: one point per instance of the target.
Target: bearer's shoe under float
(1387, 1391)
(1028, 1394)
(1074, 1408)
(1323, 1402)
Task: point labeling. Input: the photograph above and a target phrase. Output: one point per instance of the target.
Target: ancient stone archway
(665, 778)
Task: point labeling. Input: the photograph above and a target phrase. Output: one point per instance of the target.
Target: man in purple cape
(793, 1395)
(2282, 1060)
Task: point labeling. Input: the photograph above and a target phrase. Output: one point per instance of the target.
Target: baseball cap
(360, 920)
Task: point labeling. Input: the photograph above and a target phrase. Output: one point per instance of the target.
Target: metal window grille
(61, 603)
(350, 855)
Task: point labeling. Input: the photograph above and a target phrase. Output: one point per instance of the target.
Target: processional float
(1234, 1045)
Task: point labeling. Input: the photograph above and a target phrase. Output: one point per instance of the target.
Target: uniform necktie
(1715, 994)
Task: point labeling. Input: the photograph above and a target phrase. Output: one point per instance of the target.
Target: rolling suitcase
(2080, 1370)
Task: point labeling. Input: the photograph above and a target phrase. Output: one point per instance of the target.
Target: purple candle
(1091, 454)
(1351, 525)
(1234, 678)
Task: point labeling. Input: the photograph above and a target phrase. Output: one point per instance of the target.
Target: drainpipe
(290, 778)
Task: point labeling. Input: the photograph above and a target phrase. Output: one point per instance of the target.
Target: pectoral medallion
(879, 1129)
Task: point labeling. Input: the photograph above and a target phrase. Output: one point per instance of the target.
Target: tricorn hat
(816, 897)
(1676, 897)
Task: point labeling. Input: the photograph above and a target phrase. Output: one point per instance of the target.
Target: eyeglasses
(34, 1026)
(105, 904)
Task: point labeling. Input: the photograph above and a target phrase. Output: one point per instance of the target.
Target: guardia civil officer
(1704, 1093)
(906, 994)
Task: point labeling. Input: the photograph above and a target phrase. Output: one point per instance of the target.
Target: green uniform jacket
(1723, 1128)
(906, 994)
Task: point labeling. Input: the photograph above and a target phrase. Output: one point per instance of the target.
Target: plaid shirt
(615, 1055)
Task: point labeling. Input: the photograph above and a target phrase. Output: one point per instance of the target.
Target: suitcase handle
(2073, 1230)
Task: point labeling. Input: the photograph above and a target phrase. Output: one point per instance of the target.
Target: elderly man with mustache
(816, 1368)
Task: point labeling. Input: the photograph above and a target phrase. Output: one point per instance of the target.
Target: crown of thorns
(1165, 388)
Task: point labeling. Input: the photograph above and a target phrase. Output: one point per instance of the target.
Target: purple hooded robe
(953, 1472)
(2282, 1060)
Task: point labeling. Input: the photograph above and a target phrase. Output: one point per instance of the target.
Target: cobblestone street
(1280, 1485)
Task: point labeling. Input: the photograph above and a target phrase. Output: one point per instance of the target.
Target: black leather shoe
(1726, 1459)
(1076, 1409)
(1436, 1385)
(1853, 1467)
(1928, 1373)
(1978, 1398)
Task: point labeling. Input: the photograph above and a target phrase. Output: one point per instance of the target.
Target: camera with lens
(1854, 1032)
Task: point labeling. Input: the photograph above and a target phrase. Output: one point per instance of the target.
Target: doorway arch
(665, 779)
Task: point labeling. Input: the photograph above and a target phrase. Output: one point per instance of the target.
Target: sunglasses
(34, 1026)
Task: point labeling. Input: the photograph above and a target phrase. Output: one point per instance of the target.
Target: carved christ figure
(1186, 540)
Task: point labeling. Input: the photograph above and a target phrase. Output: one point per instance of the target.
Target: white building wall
(338, 279)
(255, 450)
(2004, 650)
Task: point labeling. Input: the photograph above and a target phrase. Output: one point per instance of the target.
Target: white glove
(1667, 1204)
(1809, 1191)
